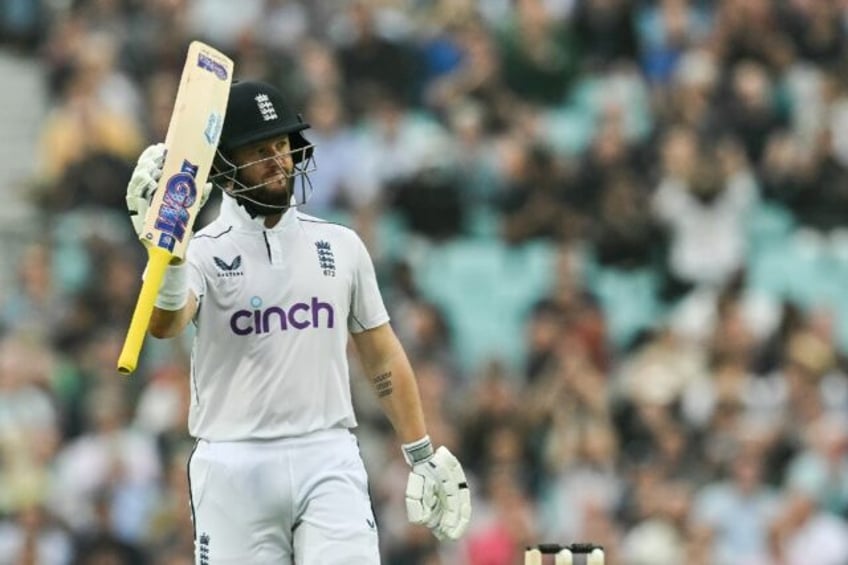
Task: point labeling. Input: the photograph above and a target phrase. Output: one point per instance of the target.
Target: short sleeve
(196, 279)
(367, 310)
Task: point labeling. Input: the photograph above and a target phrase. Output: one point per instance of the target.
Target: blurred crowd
(679, 392)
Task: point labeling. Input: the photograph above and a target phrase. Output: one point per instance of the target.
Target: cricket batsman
(276, 475)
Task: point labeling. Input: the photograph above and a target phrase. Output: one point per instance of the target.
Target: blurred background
(611, 235)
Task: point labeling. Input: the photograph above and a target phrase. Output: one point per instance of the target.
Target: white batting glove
(143, 183)
(437, 494)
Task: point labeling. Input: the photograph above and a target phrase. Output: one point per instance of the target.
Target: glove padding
(437, 495)
(143, 183)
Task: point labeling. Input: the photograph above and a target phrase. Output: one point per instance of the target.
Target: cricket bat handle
(157, 263)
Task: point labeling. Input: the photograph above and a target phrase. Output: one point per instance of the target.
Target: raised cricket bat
(191, 141)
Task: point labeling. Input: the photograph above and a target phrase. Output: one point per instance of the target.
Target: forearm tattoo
(383, 384)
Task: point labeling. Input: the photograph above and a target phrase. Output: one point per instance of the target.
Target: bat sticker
(167, 242)
(211, 65)
(180, 195)
(213, 128)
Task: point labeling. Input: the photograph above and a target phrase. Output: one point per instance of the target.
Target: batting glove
(143, 183)
(437, 494)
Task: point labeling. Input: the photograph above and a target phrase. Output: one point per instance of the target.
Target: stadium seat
(629, 300)
(486, 289)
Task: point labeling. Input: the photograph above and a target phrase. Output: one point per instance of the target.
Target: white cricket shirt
(275, 307)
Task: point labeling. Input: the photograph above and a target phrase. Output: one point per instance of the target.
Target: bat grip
(157, 262)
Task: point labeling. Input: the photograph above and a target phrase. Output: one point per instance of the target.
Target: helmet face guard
(227, 177)
(256, 111)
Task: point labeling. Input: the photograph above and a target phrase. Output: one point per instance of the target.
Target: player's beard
(275, 194)
(266, 199)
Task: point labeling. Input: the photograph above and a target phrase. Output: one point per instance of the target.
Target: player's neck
(271, 221)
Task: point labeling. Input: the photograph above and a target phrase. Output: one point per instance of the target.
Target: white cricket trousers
(291, 501)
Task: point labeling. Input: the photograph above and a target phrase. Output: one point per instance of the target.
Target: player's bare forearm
(387, 367)
(171, 323)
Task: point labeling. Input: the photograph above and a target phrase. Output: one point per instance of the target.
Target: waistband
(308, 438)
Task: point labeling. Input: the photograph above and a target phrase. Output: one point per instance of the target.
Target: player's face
(268, 166)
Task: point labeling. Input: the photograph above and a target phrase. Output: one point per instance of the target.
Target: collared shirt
(274, 309)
